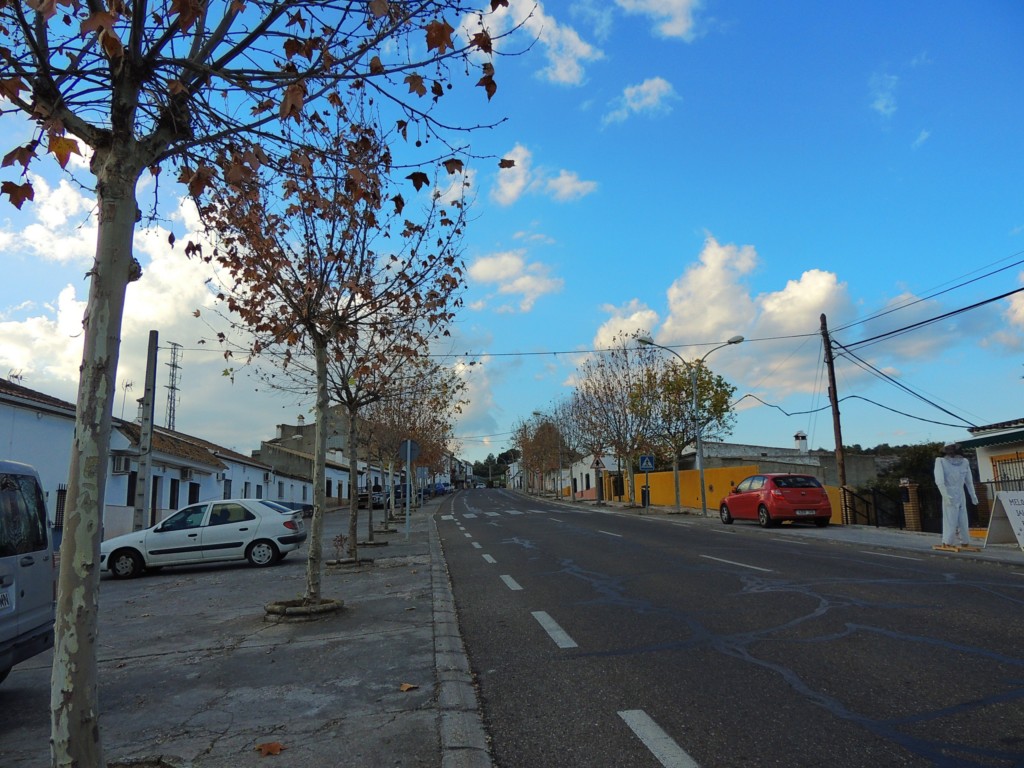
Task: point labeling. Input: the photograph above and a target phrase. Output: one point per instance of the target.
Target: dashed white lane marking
(886, 554)
(668, 753)
(493, 514)
(609, 533)
(741, 565)
(469, 516)
(490, 559)
(447, 517)
(468, 535)
(556, 520)
(511, 583)
(559, 635)
(514, 512)
(478, 545)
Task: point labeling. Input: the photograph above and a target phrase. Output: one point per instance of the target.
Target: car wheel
(262, 553)
(725, 515)
(126, 564)
(764, 518)
(821, 522)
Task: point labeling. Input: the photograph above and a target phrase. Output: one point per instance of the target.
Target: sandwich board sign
(1006, 525)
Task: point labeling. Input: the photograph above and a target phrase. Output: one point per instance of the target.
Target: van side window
(22, 516)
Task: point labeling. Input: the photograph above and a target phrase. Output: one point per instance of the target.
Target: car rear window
(797, 481)
(22, 516)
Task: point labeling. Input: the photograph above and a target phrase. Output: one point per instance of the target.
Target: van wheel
(262, 553)
(126, 564)
(764, 518)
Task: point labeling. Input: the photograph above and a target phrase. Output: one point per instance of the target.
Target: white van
(28, 576)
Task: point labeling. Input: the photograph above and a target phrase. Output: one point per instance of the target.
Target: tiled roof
(172, 444)
(16, 390)
(994, 427)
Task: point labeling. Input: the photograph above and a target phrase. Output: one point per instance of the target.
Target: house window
(246, 489)
(259, 491)
(227, 488)
(280, 489)
(132, 477)
(1008, 469)
(173, 502)
(304, 494)
(193, 493)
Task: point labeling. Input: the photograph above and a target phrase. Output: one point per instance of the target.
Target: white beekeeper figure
(952, 475)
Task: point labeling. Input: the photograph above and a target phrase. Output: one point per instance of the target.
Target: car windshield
(797, 481)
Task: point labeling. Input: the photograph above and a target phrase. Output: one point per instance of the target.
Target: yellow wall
(718, 482)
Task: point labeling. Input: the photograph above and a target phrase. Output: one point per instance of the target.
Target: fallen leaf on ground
(407, 687)
(270, 748)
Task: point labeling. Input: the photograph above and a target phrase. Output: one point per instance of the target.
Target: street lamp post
(647, 341)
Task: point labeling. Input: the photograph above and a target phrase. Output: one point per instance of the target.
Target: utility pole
(833, 398)
(143, 491)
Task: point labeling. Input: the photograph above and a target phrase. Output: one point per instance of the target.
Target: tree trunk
(74, 702)
(353, 502)
(313, 559)
(675, 476)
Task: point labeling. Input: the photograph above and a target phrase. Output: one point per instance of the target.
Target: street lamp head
(645, 341)
(735, 340)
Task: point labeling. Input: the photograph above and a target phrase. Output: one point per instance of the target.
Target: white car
(256, 530)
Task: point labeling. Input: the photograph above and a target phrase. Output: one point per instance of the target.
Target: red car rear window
(796, 481)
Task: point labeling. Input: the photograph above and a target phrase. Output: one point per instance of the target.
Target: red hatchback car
(772, 498)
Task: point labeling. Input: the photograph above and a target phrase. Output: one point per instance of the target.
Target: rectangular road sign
(647, 463)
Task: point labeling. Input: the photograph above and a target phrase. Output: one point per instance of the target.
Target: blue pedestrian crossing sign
(647, 463)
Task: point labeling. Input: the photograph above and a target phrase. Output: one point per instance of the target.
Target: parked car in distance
(772, 498)
(256, 530)
(28, 574)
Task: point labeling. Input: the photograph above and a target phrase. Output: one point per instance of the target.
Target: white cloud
(513, 275)
(922, 137)
(565, 51)
(651, 97)
(674, 17)
(568, 186)
(521, 178)
(632, 317)
(512, 182)
(882, 90)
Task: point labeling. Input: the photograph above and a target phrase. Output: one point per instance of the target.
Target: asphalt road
(601, 639)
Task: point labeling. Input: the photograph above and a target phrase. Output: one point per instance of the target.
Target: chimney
(301, 421)
(800, 442)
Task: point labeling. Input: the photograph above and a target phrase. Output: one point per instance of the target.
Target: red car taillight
(290, 525)
(777, 493)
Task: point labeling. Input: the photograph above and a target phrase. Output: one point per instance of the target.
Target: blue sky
(691, 170)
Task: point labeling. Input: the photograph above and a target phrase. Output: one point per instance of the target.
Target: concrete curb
(463, 739)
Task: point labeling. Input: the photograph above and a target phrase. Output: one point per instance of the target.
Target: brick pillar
(911, 506)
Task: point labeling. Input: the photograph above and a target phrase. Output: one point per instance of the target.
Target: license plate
(6, 599)
(805, 512)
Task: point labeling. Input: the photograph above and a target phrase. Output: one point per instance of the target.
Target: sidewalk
(193, 675)
(866, 535)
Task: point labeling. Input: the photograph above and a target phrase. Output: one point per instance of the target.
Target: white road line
(609, 533)
(490, 559)
(469, 516)
(493, 514)
(468, 535)
(511, 583)
(478, 545)
(667, 752)
(741, 565)
(447, 517)
(559, 635)
(539, 511)
(556, 520)
(514, 512)
(885, 554)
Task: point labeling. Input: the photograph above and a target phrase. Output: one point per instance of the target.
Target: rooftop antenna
(172, 385)
(125, 386)
(15, 375)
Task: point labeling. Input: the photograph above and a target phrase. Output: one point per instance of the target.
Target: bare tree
(146, 88)
(614, 399)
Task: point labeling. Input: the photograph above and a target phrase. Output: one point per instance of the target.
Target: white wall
(42, 440)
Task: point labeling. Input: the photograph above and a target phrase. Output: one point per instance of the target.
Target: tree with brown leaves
(144, 87)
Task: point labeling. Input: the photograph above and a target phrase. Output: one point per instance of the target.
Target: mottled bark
(314, 558)
(353, 508)
(74, 703)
